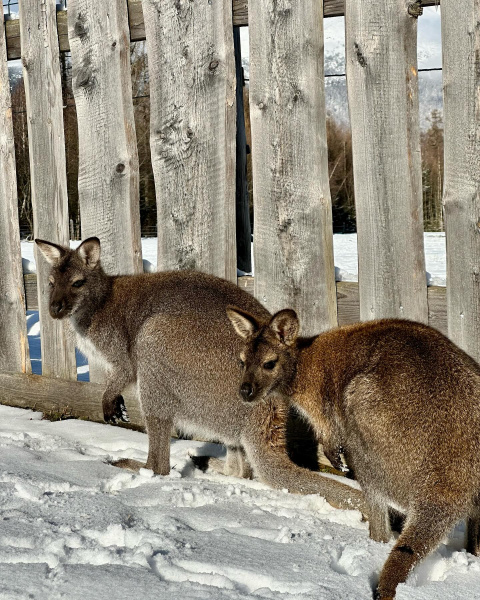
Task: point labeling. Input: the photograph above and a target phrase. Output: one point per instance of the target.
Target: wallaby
(169, 333)
(400, 401)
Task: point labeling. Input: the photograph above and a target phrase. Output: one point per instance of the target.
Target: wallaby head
(74, 276)
(270, 354)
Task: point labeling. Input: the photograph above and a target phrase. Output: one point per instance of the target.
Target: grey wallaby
(169, 333)
(400, 402)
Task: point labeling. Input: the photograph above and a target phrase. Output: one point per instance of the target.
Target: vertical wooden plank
(43, 91)
(14, 354)
(293, 241)
(461, 90)
(192, 98)
(382, 77)
(108, 171)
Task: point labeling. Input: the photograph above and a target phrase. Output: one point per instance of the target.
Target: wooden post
(461, 89)
(382, 77)
(43, 91)
(192, 96)
(108, 162)
(14, 354)
(293, 241)
(108, 179)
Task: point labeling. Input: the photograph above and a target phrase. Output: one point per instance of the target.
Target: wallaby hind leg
(472, 537)
(424, 529)
(159, 434)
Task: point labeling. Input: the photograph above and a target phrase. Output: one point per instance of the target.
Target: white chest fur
(91, 352)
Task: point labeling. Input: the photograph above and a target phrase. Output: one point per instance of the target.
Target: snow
(73, 526)
(345, 253)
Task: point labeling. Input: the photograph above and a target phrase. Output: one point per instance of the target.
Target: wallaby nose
(56, 308)
(246, 390)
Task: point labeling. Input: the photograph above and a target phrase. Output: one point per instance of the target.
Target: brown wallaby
(400, 401)
(169, 333)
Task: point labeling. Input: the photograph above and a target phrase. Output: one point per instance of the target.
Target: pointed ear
(244, 324)
(52, 252)
(286, 325)
(89, 252)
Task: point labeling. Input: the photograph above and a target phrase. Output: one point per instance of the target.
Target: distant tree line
(339, 142)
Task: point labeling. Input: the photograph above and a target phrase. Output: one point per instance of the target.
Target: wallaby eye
(50, 284)
(241, 363)
(78, 283)
(269, 365)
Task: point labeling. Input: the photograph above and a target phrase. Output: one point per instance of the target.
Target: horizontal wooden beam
(347, 300)
(332, 8)
(55, 396)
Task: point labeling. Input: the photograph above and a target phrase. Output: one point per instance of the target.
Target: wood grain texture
(108, 178)
(43, 91)
(332, 8)
(192, 97)
(382, 77)
(13, 328)
(461, 90)
(293, 241)
(108, 162)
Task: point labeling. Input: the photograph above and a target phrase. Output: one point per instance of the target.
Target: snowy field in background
(345, 254)
(73, 527)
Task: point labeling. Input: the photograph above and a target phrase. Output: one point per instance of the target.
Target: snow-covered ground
(74, 527)
(345, 252)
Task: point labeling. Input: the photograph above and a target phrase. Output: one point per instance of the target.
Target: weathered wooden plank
(52, 395)
(461, 89)
(13, 328)
(293, 242)
(43, 91)
(437, 308)
(382, 76)
(192, 96)
(108, 161)
(108, 179)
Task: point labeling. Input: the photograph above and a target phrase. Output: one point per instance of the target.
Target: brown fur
(169, 334)
(401, 402)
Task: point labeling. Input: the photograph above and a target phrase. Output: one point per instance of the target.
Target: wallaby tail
(266, 449)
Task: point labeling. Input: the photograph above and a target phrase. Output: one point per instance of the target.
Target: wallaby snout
(247, 392)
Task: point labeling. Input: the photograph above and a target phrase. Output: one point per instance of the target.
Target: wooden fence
(192, 86)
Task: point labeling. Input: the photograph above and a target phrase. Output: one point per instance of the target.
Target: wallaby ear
(244, 324)
(286, 325)
(52, 252)
(89, 252)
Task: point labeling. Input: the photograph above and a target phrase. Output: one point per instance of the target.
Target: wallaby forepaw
(118, 412)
